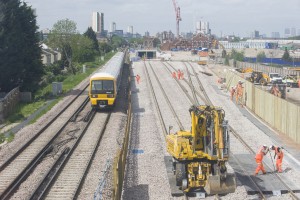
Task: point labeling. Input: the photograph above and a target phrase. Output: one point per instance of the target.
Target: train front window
(102, 87)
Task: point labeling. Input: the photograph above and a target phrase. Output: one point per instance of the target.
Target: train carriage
(104, 83)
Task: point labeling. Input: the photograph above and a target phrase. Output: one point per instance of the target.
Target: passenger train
(105, 82)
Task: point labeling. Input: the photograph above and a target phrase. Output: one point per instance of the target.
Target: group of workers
(178, 75)
(237, 91)
(262, 152)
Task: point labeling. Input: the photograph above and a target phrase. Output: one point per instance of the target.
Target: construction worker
(174, 75)
(179, 74)
(299, 83)
(239, 92)
(279, 154)
(232, 92)
(259, 159)
(138, 78)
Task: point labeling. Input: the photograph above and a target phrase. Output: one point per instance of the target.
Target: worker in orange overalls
(138, 78)
(259, 159)
(279, 154)
(232, 92)
(179, 74)
(239, 92)
(299, 83)
(174, 75)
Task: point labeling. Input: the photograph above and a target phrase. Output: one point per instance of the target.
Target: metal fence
(264, 68)
(120, 160)
(9, 102)
(278, 113)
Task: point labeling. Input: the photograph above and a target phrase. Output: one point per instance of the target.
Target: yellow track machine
(200, 155)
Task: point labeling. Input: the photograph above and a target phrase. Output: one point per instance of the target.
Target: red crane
(178, 18)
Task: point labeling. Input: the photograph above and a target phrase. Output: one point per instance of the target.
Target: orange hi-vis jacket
(260, 154)
(279, 154)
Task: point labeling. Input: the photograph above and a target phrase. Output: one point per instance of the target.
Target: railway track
(239, 138)
(64, 180)
(203, 95)
(17, 168)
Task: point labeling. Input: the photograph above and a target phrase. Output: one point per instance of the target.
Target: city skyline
(225, 17)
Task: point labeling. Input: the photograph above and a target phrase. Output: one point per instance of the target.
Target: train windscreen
(102, 87)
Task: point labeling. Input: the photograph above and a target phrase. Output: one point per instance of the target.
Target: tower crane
(178, 18)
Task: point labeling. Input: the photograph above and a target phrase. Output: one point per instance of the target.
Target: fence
(8, 103)
(120, 160)
(278, 113)
(264, 68)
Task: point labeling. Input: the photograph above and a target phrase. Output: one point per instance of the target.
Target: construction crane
(178, 18)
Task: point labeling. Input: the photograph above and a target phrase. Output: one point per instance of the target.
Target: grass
(24, 110)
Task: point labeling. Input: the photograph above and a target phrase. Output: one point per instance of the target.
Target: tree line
(20, 48)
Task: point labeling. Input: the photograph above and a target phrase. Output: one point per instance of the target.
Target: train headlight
(94, 95)
(110, 96)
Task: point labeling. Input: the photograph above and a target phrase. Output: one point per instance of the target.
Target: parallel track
(65, 181)
(293, 195)
(19, 167)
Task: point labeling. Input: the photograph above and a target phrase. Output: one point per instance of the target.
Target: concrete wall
(278, 113)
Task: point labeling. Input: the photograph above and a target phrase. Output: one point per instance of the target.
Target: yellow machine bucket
(215, 185)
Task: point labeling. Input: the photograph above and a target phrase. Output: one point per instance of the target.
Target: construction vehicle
(259, 77)
(290, 80)
(202, 62)
(200, 155)
(245, 70)
(275, 78)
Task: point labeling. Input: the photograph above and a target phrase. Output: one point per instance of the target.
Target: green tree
(260, 56)
(105, 47)
(82, 48)
(117, 41)
(224, 53)
(20, 52)
(238, 56)
(61, 37)
(286, 55)
(92, 36)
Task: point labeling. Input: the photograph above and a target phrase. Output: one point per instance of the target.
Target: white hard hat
(264, 145)
(271, 147)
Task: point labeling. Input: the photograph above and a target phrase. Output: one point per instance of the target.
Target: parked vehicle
(290, 80)
(275, 78)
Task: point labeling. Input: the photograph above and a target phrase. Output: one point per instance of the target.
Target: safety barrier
(9, 102)
(277, 112)
(120, 160)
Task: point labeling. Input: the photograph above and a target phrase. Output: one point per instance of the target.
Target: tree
(61, 37)
(260, 56)
(117, 41)
(92, 36)
(238, 56)
(82, 48)
(105, 47)
(20, 53)
(286, 55)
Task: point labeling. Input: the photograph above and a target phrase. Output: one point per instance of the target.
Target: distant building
(293, 32)
(147, 34)
(275, 35)
(113, 27)
(118, 33)
(98, 22)
(256, 34)
(287, 32)
(130, 29)
(202, 27)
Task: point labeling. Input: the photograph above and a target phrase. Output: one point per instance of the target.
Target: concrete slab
(244, 166)
(175, 191)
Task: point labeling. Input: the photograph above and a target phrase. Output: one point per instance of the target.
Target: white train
(105, 82)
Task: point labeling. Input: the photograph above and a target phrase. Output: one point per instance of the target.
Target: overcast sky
(240, 17)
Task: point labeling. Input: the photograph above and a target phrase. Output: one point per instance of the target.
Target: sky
(225, 17)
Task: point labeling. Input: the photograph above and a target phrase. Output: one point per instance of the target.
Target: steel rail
(15, 182)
